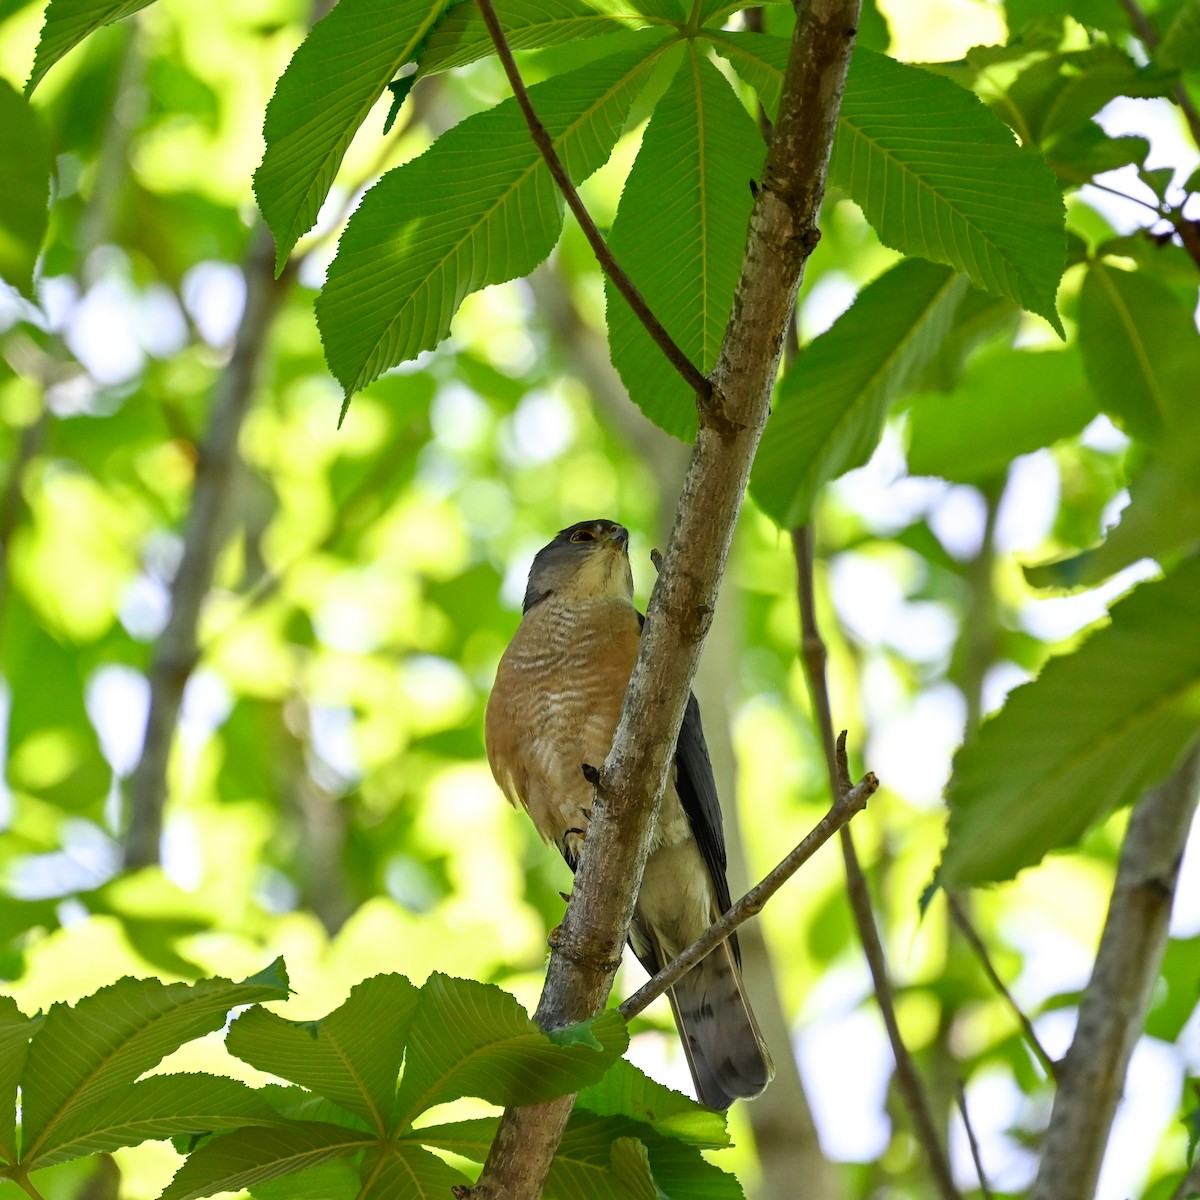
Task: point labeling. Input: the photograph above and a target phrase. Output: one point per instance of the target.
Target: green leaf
(351, 1057)
(1180, 45)
(935, 171)
(627, 1092)
(15, 1031)
(478, 207)
(830, 408)
(473, 1039)
(679, 234)
(1092, 732)
(336, 1179)
(163, 1106)
(1172, 1006)
(25, 169)
(1140, 348)
(68, 22)
(406, 1172)
(631, 1168)
(329, 87)
(461, 37)
(1088, 151)
(1009, 402)
(85, 1054)
(249, 1156)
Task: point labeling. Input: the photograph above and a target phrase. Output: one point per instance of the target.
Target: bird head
(586, 561)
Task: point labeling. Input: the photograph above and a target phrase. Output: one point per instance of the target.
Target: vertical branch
(1117, 997)
(176, 652)
(908, 1081)
(782, 234)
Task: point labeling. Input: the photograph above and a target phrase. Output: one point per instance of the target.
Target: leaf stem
(814, 655)
(695, 379)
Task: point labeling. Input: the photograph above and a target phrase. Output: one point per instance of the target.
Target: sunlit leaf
(351, 1057)
(250, 1156)
(472, 1039)
(679, 235)
(68, 22)
(936, 172)
(1093, 731)
(15, 1031)
(85, 1054)
(407, 1172)
(157, 1108)
(461, 37)
(478, 207)
(329, 87)
(1009, 402)
(1140, 347)
(831, 406)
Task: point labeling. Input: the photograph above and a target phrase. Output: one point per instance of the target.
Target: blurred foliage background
(329, 799)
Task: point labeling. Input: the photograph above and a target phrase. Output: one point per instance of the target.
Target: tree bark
(1117, 997)
(781, 236)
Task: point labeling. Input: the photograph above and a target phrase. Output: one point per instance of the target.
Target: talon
(580, 832)
(552, 937)
(590, 774)
(587, 813)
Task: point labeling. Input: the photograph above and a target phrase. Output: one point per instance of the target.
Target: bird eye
(583, 535)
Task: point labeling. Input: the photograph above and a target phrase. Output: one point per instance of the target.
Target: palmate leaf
(1140, 348)
(163, 1106)
(249, 1156)
(679, 234)
(1009, 402)
(25, 168)
(1092, 732)
(67, 23)
(935, 171)
(85, 1054)
(324, 95)
(461, 36)
(830, 409)
(625, 1091)
(469, 1039)
(351, 1057)
(408, 1172)
(15, 1031)
(478, 207)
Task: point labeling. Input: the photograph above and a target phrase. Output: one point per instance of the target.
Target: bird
(553, 708)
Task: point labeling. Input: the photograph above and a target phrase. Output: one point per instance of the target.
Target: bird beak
(620, 535)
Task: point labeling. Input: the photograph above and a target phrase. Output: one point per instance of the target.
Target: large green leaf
(249, 1156)
(1180, 45)
(679, 234)
(478, 207)
(473, 1039)
(626, 1091)
(1093, 731)
(68, 22)
(408, 1172)
(85, 1054)
(163, 1106)
(351, 1057)
(25, 169)
(936, 172)
(332, 82)
(1008, 402)
(15, 1031)
(1140, 348)
(829, 413)
(461, 37)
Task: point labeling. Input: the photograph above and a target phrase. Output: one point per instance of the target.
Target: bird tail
(725, 1051)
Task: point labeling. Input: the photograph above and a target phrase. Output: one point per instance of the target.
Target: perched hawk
(554, 707)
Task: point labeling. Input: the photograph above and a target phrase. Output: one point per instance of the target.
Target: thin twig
(960, 918)
(1149, 38)
(972, 1141)
(691, 374)
(844, 807)
(908, 1080)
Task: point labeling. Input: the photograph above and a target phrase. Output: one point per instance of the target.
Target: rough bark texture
(782, 234)
(1117, 997)
(176, 652)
